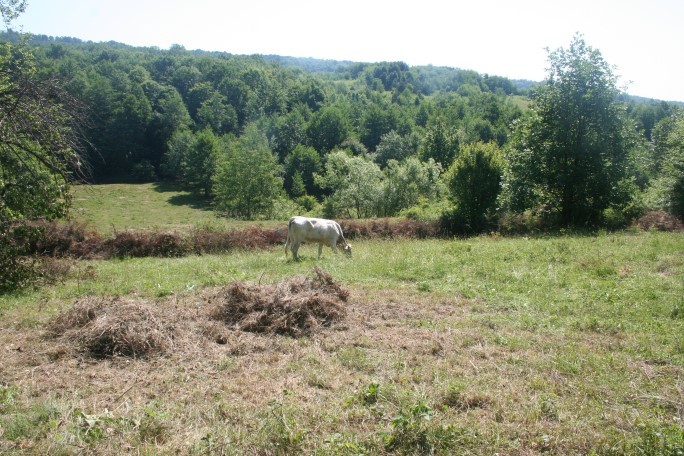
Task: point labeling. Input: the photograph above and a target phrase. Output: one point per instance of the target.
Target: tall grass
(556, 345)
(624, 281)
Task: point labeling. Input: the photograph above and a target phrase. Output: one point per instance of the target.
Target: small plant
(281, 430)
(369, 396)
(151, 427)
(92, 428)
(409, 430)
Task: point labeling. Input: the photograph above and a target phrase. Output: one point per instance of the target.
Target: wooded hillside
(337, 138)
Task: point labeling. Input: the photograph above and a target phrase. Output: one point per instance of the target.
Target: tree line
(265, 137)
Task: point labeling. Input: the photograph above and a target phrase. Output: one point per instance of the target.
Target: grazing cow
(306, 229)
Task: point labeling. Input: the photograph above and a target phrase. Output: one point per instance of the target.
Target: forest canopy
(336, 138)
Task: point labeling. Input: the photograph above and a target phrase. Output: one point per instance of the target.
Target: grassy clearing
(117, 207)
(566, 345)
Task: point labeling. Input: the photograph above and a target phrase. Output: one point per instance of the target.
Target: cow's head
(347, 249)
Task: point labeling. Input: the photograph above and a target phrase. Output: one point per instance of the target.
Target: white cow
(322, 231)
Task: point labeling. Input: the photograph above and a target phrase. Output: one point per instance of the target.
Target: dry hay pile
(295, 307)
(104, 327)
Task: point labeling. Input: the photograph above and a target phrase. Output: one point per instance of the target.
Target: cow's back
(312, 229)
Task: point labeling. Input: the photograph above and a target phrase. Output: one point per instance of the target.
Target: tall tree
(11, 9)
(571, 152)
(474, 180)
(441, 143)
(327, 129)
(199, 164)
(300, 166)
(409, 181)
(668, 187)
(248, 178)
(38, 151)
(355, 182)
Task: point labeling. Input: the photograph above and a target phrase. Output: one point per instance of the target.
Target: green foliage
(408, 182)
(378, 120)
(11, 9)
(667, 189)
(217, 114)
(571, 152)
(247, 182)
(474, 180)
(441, 143)
(300, 167)
(37, 153)
(392, 146)
(413, 432)
(143, 171)
(327, 129)
(199, 163)
(355, 182)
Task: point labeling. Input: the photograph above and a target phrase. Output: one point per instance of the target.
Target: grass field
(106, 208)
(555, 345)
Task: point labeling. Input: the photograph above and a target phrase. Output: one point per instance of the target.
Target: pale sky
(643, 39)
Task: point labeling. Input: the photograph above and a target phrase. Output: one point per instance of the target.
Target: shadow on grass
(183, 198)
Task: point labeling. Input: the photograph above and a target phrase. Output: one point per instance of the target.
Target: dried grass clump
(257, 237)
(295, 307)
(659, 221)
(57, 239)
(144, 244)
(105, 327)
(389, 229)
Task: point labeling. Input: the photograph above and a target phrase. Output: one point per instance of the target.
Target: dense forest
(263, 136)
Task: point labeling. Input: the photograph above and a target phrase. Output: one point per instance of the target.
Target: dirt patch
(295, 307)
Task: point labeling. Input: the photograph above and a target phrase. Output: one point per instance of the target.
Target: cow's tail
(288, 240)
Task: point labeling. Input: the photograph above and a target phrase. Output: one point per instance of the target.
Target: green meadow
(569, 344)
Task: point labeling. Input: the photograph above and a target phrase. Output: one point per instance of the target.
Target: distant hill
(328, 66)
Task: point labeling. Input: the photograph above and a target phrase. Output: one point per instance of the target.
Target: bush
(143, 171)
(142, 244)
(659, 221)
(474, 180)
(531, 221)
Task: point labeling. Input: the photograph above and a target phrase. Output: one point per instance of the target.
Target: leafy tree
(392, 147)
(408, 182)
(302, 164)
(199, 163)
(168, 115)
(668, 187)
(218, 115)
(378, 121)
(11, 9)
(248, 177)
(327, 129)
(355, 182)
(571, 152)
(179, 147)
(440, 143)
(289, 130)
(474, 180)
(38, 152)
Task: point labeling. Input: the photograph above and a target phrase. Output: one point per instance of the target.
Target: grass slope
(116, 207)
(560, 345)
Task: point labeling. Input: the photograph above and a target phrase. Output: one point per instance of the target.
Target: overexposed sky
(643, 39)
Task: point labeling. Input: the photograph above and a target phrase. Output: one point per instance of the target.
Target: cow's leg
(295, 248)
(320, 249)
